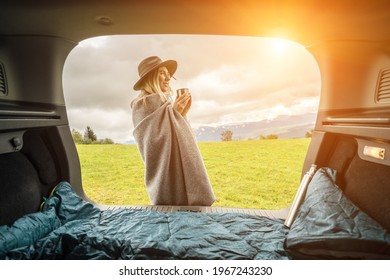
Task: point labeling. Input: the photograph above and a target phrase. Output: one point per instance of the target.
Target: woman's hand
(183, 103)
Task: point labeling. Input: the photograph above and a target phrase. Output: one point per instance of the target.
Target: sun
(280, 46)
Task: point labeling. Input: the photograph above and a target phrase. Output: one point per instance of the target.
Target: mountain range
(284, 126)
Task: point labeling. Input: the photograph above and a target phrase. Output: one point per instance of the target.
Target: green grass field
(250, 174)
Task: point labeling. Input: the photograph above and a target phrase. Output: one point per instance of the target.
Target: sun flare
(280, 46)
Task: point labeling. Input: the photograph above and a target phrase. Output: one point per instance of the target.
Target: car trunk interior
(351, 135)
(36, 150)
(352, 127)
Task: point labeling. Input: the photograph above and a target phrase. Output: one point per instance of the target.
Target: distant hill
(130, 142)
(284, 126)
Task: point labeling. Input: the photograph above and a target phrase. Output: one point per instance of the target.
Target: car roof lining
(306, 22)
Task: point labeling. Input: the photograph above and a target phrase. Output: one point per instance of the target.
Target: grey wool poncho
(174, 170)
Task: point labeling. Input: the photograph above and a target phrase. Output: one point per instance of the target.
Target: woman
(174, 170)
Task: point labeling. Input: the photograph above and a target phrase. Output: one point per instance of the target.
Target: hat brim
(171, 65)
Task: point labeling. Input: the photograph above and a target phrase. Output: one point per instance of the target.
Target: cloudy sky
(231, 79)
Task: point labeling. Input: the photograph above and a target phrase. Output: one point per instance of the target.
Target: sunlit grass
(251, 174)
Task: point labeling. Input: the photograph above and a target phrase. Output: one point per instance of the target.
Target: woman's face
(163, 78)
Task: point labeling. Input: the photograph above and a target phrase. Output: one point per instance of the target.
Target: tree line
(227, 135)
(89, 137)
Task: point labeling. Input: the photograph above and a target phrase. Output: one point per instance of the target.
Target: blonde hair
(151, 85)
